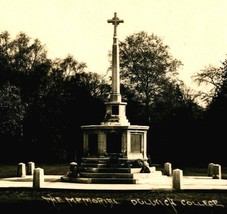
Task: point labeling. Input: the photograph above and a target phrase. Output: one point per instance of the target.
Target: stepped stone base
(106, 171)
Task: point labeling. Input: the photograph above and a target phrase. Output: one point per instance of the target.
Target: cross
(115, 21)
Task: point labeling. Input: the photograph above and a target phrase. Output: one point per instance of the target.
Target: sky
(194, 30)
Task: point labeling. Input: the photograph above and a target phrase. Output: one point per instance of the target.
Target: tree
(12, 111)
(51, 113)
(210, 81)
(215, 116)
(66, 100)
(150, 82)
(146, 66)
(23, 63)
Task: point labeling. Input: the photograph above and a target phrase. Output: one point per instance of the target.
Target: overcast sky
(194, 30)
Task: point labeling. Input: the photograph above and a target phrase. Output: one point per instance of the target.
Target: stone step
(106, 165)
(109, 161)
(101, 165)
(95, 160)
(105, 170)
(107, 180)
(97, 165)
(105, 175)
(99, 180)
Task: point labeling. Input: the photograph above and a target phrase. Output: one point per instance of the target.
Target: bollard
(177, 179)
(216, 171)
(38, 178)
(31, 167)
(210, 169)
(167, 169)
(21, 170)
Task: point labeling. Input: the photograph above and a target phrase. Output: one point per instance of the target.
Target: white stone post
(177, 179)
(210, 169)
(167, 169)
(21, 170)
(31, 167)
(217, 171)
(38, 178)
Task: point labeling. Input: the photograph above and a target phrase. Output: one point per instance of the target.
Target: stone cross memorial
(114, 141)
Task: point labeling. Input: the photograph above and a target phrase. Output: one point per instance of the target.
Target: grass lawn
(10, 170)
(53, 169)
(159, 201)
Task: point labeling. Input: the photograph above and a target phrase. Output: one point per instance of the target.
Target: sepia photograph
(113, 105)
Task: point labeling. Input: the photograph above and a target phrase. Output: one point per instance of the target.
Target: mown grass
(10, 170)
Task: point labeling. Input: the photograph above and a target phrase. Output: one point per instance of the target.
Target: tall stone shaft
(115, 94)
(115, 108)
